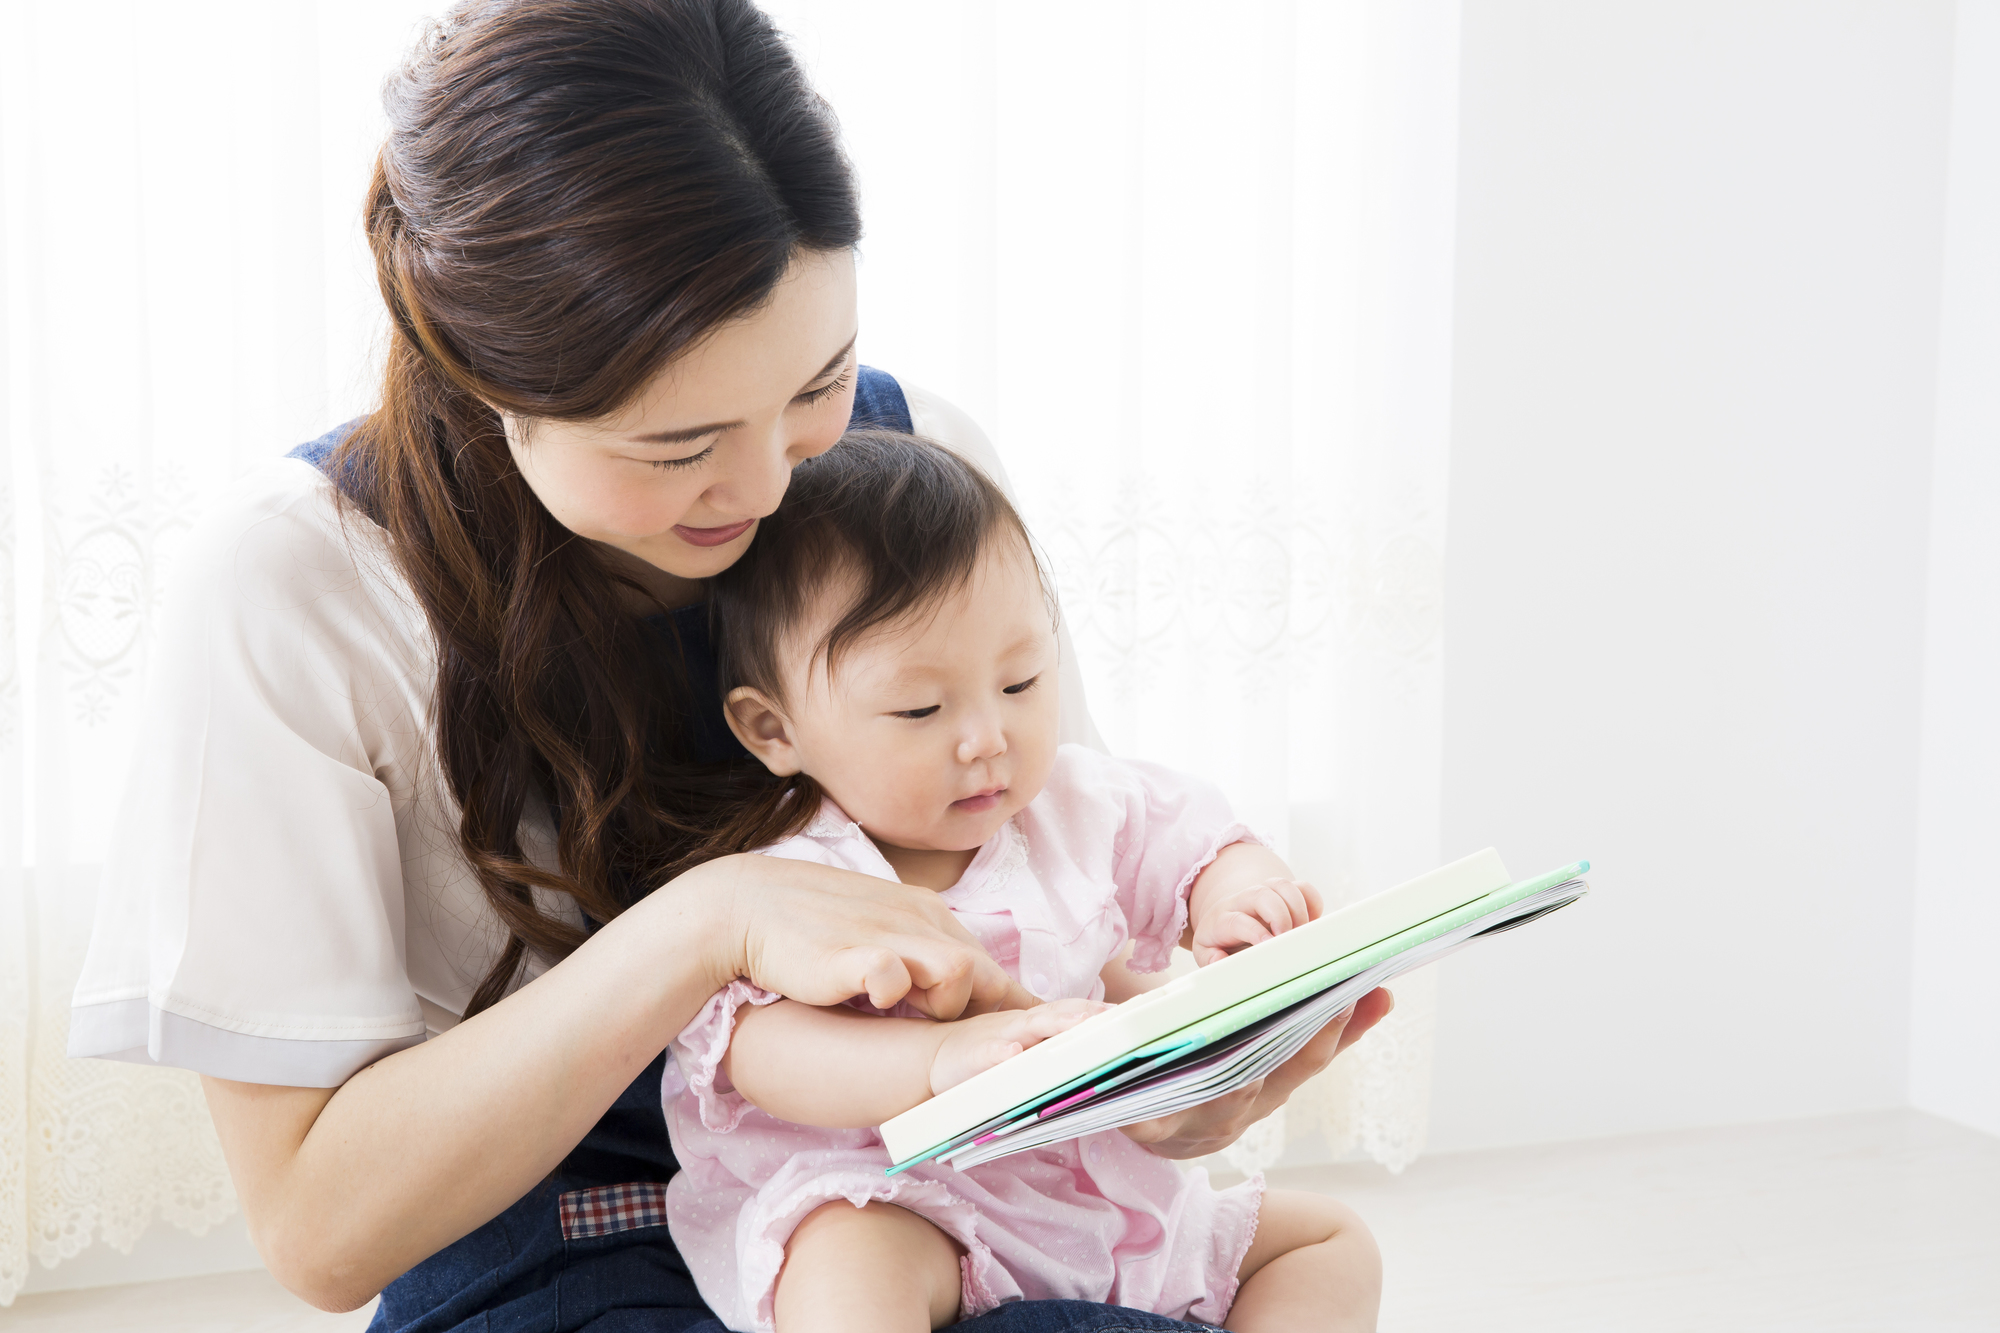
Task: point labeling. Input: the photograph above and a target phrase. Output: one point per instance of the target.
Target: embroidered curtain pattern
(184, 293)
(1193, 279)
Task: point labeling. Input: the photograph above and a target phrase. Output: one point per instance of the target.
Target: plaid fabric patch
(612, 1208)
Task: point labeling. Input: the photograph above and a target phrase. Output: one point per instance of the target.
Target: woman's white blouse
(284, 898)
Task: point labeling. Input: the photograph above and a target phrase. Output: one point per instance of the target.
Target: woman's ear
(763, 728)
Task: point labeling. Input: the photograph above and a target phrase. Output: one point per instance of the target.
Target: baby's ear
(763, 728)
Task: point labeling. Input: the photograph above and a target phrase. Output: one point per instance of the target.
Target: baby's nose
(986, 743)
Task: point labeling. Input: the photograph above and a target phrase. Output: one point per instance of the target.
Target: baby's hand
(974, 1045)
(1252, 915)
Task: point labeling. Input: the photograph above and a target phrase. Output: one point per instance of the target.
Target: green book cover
(1206, 1006)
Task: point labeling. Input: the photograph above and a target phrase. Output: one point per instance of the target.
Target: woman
(432, 710)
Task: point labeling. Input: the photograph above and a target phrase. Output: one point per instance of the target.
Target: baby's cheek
(877, 793)
(919, 803)
(1037, 762)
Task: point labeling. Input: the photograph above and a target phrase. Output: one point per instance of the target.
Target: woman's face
(678, 479)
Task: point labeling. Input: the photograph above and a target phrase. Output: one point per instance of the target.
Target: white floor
(225, 1303)
(1879, 1223)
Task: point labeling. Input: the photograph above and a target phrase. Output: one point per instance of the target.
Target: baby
(888, 649)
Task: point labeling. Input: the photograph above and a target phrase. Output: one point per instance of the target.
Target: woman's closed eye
(814, 397)
(1023, 687)
(689, 461)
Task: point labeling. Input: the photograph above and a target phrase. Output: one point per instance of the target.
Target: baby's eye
(915, 713)
(1023, 687)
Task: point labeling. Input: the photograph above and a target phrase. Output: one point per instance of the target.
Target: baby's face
(932, 734)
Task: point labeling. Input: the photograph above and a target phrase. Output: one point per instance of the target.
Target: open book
(1220, 1027)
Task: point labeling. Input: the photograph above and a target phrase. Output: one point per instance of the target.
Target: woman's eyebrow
(686, 435)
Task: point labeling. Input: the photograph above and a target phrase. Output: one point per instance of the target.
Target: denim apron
(588, 1249)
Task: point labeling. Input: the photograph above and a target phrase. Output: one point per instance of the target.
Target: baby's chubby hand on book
(1251, 915)
(974, 1045)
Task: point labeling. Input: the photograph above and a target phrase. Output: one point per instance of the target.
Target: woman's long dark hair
(572, 192)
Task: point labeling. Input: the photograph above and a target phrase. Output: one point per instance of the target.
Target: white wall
(1955, 1018)
(1699, 251)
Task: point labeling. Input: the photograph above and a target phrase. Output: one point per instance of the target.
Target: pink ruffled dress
(1104, 855)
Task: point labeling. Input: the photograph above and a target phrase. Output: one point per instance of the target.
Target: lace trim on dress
(830, 829)
(764, 1250)
(1155, 953)
(1249, 1195)
(1013, 858)
(699, 1049)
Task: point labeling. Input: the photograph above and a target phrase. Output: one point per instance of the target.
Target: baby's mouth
(980, 802)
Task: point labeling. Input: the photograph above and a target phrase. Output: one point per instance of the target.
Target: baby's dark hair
(901, 523)
(901, 518)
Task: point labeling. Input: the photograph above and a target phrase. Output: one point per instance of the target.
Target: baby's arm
(840, 1069)
(1246, 894)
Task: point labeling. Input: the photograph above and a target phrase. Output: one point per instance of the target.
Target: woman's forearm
(831, 1067)
(344, 1190)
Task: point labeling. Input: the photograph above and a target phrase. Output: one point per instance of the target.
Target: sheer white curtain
(1188, 265)
(185, 292)
(1191, 266)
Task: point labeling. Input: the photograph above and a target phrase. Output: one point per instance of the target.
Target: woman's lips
(712, 536)
(979, 804)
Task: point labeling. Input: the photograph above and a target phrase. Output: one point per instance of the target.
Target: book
(1224, 1025)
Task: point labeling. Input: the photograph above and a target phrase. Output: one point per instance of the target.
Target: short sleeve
(1172, 826)
(250, 924)
(698, 1051)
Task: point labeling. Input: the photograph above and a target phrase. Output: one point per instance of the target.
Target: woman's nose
(760, 471)
(757, 475)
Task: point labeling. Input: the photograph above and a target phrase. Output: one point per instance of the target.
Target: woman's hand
(820, 936)
(1215, 1125)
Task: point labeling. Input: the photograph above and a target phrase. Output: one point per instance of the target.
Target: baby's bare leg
(1313, 1266)
(864, 1270)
